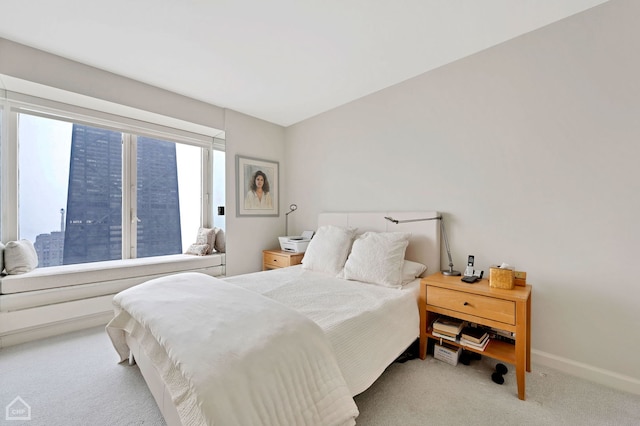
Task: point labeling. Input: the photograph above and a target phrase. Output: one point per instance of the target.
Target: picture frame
(252, 176)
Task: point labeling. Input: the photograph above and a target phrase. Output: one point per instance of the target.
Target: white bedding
(287, 374)
(368, 325)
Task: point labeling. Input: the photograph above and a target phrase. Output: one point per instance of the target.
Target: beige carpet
(74, 379)
(431, 392)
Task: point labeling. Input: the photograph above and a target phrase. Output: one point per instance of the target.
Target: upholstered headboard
(424, 245)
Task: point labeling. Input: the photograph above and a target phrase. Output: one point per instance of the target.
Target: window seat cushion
(112, 270)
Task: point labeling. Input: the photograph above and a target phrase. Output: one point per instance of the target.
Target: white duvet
(368, 325)
(262, 364)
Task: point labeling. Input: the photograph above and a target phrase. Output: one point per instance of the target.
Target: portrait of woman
(257, 187)
(258, 195)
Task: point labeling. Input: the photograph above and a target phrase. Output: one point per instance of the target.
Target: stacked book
(447, 328)
(474, 337)
(505, 336)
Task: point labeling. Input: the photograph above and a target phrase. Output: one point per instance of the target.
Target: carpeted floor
(75, 379)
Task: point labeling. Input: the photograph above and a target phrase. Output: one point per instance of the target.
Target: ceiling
(279, 60)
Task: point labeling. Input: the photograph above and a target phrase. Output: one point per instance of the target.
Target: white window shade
(172, 129)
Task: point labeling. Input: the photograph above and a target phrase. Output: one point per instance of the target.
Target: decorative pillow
(411, 271)
(206, 236)
(377, 258)
(199, 249)
(20, 257)
(328, 249)
(220, 245)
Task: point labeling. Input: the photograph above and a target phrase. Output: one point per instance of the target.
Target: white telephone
(468, 272)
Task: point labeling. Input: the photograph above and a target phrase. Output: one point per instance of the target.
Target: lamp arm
(292, 208)
(446, 242)
(449, 271)
(396, 221)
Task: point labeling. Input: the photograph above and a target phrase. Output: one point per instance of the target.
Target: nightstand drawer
(481, 306)
(273, 259)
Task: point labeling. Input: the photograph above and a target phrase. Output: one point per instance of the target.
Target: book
(505, 333)
(474, 334)
(448, 325)
(503, 338)
(448, 337)
(477, 346)
(445, 332)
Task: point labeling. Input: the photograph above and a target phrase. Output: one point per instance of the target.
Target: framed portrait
(257, 186)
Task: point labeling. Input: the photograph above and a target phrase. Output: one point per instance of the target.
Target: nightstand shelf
(498, 349)
(478, 303)
(274, 259)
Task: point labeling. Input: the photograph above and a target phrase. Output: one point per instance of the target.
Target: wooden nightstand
(273, 259)
(478, 303)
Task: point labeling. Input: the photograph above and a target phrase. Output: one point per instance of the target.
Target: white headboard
(424, 245)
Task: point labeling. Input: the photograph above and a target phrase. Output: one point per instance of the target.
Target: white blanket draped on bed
(368, 325)
(249, 360)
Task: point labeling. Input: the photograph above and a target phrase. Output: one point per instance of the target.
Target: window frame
(14, 104)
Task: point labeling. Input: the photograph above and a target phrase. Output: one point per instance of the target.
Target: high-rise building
(50, 248)
(94, 198)
(159, 230)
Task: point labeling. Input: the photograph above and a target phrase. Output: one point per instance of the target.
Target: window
(89, 191)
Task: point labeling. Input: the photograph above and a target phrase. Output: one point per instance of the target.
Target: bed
(298, 342)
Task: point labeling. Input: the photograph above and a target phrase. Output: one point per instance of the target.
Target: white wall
(54, 72)
(248, 236)
(530, 149)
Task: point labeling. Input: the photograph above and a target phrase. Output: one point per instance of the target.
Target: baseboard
(588, 372)
(54, 329)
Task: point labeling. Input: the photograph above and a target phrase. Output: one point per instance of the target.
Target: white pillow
(328, 249)
(198, 249)
(20, 257)
(212, 237)
(377, 258)
(206, 236)
(220, 244)
(411, 271)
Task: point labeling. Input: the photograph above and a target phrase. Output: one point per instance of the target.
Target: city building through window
(88, 193)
